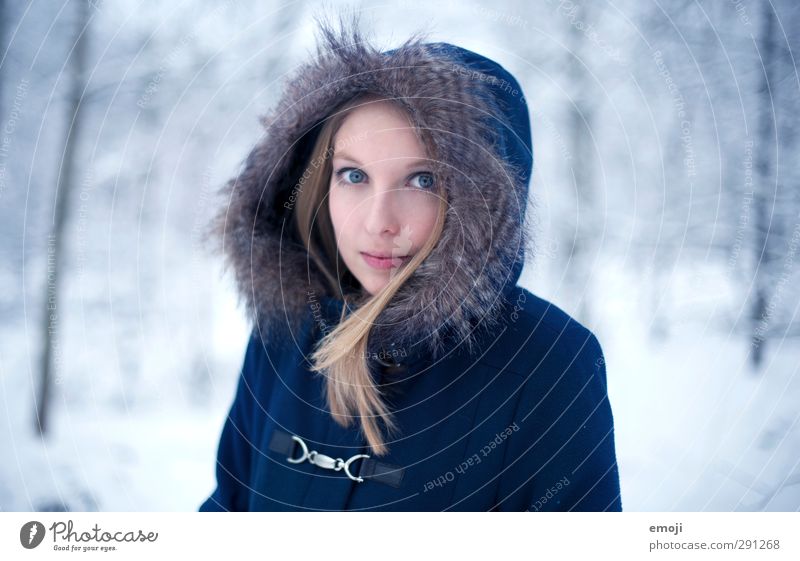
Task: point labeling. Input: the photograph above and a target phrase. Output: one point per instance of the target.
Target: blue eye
(425, 180)
(422, 180)
(352, 175)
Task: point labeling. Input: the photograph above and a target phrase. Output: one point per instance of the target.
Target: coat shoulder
(563, 457)
(538, 333)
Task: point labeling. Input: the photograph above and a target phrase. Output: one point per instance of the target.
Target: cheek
(423, 218)
(343, 217)
(338, 210)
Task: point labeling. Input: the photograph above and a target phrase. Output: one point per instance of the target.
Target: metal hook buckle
(325, 461)
(305, 451)
(347, 467)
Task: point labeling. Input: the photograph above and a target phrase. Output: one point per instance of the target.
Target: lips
(382, 255)
(383, 260)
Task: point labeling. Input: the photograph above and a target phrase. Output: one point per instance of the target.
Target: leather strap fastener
(296, 451)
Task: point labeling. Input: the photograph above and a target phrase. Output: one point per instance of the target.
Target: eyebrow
(348, 157)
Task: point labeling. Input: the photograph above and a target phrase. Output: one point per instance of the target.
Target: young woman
(377, 233)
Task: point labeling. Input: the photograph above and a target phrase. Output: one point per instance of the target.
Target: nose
(382, 215)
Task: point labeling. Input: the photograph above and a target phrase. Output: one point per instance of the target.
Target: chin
(373, 288)
(373, 285)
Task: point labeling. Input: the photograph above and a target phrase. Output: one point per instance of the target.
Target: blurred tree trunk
(64, 188)
(765, 147)
(581, 123)
(3, 48)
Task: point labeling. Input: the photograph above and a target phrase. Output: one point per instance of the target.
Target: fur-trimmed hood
(477, 119)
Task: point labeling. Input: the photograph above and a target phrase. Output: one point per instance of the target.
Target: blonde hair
(342, 354)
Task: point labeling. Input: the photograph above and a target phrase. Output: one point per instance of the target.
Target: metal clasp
(324, 461)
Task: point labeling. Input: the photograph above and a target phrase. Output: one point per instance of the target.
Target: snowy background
(667, 218)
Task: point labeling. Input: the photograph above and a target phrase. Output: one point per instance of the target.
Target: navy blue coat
(525, 424)
(500, 396)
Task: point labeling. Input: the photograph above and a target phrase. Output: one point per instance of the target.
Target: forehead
(375, 131)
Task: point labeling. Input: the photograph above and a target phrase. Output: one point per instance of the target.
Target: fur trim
(463, 283)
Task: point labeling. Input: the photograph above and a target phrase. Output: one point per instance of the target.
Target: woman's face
(382, 199)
